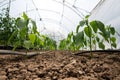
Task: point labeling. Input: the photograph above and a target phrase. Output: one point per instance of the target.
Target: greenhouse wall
(108, 11)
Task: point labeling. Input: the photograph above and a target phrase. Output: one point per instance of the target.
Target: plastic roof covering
(54, 17)
(108, 11)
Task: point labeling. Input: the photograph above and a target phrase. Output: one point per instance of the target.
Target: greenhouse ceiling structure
(53, 17)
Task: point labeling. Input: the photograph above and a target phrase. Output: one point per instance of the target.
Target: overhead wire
(62, 12)
(36, 9)
(38, 13)
(79, 8)
(74, 2)
(55, 12)
(44, 10)
(9, 5)
(8, 15)
(6, 3)
(82, 15)
(69, 8)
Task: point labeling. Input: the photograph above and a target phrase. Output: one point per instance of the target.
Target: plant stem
(91, 54)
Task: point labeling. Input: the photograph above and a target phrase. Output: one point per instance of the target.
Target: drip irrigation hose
(109, 51)
(10, 52)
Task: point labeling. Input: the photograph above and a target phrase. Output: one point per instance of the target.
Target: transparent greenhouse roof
(53, 17)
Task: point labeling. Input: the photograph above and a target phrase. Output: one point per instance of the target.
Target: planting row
(22, 32)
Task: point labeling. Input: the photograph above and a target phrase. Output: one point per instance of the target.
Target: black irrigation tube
(10, 52)
(109, 51)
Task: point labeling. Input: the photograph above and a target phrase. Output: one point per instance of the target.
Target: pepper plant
(27, 36)
(109, 37)
(72, 42)
(21, 35)
(66, 44)
(96, 33)
(49, 44)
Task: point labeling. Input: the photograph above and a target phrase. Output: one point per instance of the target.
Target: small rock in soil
(3, 77)
(37, 79)
(98, 69)
(70, 78)
(3, 73)
(106, 76)
(40, 74)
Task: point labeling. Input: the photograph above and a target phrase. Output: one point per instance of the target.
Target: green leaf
(70, 35)
(16, 44)
(101, 26)
(12, 36)
(114, 45)
(77, 29)
(94, 41)
(113, 39)
(34, 27)
(94, 26)
(62, 45)
(39, 42)
(32, 38)
(27, 44)
(101, 45)
(88, 31)
(25, 16)
(23, 33)
(87, 16)
(106, 34)
(98, 39)
(79, 38)
(82, 23)
(21, 23)
(85, 42)
(112, 30)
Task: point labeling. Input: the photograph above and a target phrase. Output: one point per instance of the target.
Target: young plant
(72, 42)
(109, 36)
(65, 44)
(23, 36)
(87, 31)
(92, 31)
(49, 44)
(79, 40)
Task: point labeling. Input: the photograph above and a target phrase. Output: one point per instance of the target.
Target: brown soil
(60, 65)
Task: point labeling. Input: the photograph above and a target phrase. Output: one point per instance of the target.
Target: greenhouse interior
(59, 40)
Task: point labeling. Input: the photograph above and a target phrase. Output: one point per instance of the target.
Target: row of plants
(22, 32)
(90, 35)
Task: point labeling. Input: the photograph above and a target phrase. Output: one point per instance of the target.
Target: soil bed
(61, 65)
